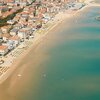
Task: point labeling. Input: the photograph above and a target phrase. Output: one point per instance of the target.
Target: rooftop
(3, 47)
(14, 38)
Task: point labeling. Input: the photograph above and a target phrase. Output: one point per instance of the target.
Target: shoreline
(39, 37)
(35, 41)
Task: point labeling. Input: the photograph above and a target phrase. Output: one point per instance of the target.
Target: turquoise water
(73, 67)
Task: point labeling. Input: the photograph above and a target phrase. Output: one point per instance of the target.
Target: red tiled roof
(3, 47)
(7, 35)
(25, 13)
(14, 38)
(9, 0)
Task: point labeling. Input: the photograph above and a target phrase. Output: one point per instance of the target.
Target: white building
(23, 33)
(11, 22)
(15, 40)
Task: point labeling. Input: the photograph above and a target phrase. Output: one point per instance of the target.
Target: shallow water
(74, 63)
(70, 65)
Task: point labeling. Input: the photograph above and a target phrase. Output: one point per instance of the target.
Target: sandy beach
(39, 36)
(24, 68)
(12, 59)
(21, 67)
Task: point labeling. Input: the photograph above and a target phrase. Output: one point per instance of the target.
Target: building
(5, 29)
(15, 40)
(5, 36)
(11, 22)
(14, 31)
(3, 50)
(23, 33)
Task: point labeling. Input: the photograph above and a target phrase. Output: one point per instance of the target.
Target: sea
(65, 65)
